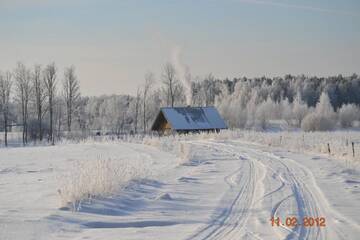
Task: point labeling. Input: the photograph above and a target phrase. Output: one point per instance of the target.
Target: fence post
(353, 148)
(328, 145)
(280, 139)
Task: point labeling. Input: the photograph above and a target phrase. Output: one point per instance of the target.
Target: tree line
(47, 103)
(30, 98)
(310, 103)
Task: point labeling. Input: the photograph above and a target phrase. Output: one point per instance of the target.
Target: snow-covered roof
(192, 118)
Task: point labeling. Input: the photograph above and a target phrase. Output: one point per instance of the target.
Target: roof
(193, 118)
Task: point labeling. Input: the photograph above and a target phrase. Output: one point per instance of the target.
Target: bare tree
(71, 94)
(169, 79)
(137, 107)
(40, 96)
(5, 90)
(81, 113)
(58, 115)
(209, 89)
(149, 81)
(50, 85)
(23, 88)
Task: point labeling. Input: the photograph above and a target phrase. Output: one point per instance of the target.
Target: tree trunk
(59, 126)
(40, 130)
(69, 112)
(51, 134)
(144, 115)
(5, 128)
(39, 117)
(26, 123)
(23, 119)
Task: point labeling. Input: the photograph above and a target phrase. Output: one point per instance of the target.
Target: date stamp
(295, 221)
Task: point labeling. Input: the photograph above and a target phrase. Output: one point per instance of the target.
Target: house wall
(165, 126)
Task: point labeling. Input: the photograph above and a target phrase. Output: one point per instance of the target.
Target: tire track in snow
(297, 184)
(306, 203)
(231, 221)
(309, 201)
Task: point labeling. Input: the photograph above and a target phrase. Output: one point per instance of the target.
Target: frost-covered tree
(348, 113)
(208, 88)
(323, 118)
(71, 92)
(231, 109)
(324, 107)
(170, 82)
(299, 110)
(23, 92)
(114, 114)
(148, 84)
(286, 111)
(5, 91)
(39, 100)
(262, 114)
(136, 109)
(50, 86)
(251, 108)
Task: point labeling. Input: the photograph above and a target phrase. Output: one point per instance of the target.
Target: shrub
(316, 122)
(348, 114)
(97, 178)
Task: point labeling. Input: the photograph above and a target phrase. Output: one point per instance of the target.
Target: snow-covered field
(226, 186)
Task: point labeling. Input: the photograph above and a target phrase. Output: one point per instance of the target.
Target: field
(205, 186)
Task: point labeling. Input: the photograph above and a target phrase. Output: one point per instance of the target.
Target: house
(188, 119)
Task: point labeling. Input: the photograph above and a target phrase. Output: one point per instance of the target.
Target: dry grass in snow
(97, 178)
(340, 142)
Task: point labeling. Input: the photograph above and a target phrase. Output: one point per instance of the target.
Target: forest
(45, 103)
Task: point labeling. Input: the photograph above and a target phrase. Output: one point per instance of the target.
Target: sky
(114, 43)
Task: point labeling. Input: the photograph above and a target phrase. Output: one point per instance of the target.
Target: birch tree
(23, 90)
(169, 79)
(209, 89)
(149, 81)
(5, 90)
(50, 86)
(137, 109)
(39, 92)
(71, 94)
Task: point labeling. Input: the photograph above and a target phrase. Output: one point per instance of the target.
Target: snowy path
(238, 199)
(229, 190)
(295, 194)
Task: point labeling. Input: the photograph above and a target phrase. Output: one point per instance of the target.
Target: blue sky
(114, 43)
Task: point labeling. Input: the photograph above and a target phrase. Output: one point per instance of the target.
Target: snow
(183, 118)
(193, 187)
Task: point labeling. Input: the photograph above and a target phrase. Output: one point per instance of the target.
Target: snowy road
(228, 190)
(267, 186)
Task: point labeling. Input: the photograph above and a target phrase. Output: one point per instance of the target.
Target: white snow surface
(223, 189)
(185, 118)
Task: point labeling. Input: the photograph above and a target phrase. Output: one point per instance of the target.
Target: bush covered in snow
(323, 118)
(348, 114)
(315, 122)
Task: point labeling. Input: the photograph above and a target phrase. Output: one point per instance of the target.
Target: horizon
(113, 44)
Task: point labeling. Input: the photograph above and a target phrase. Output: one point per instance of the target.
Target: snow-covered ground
(189, 188)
